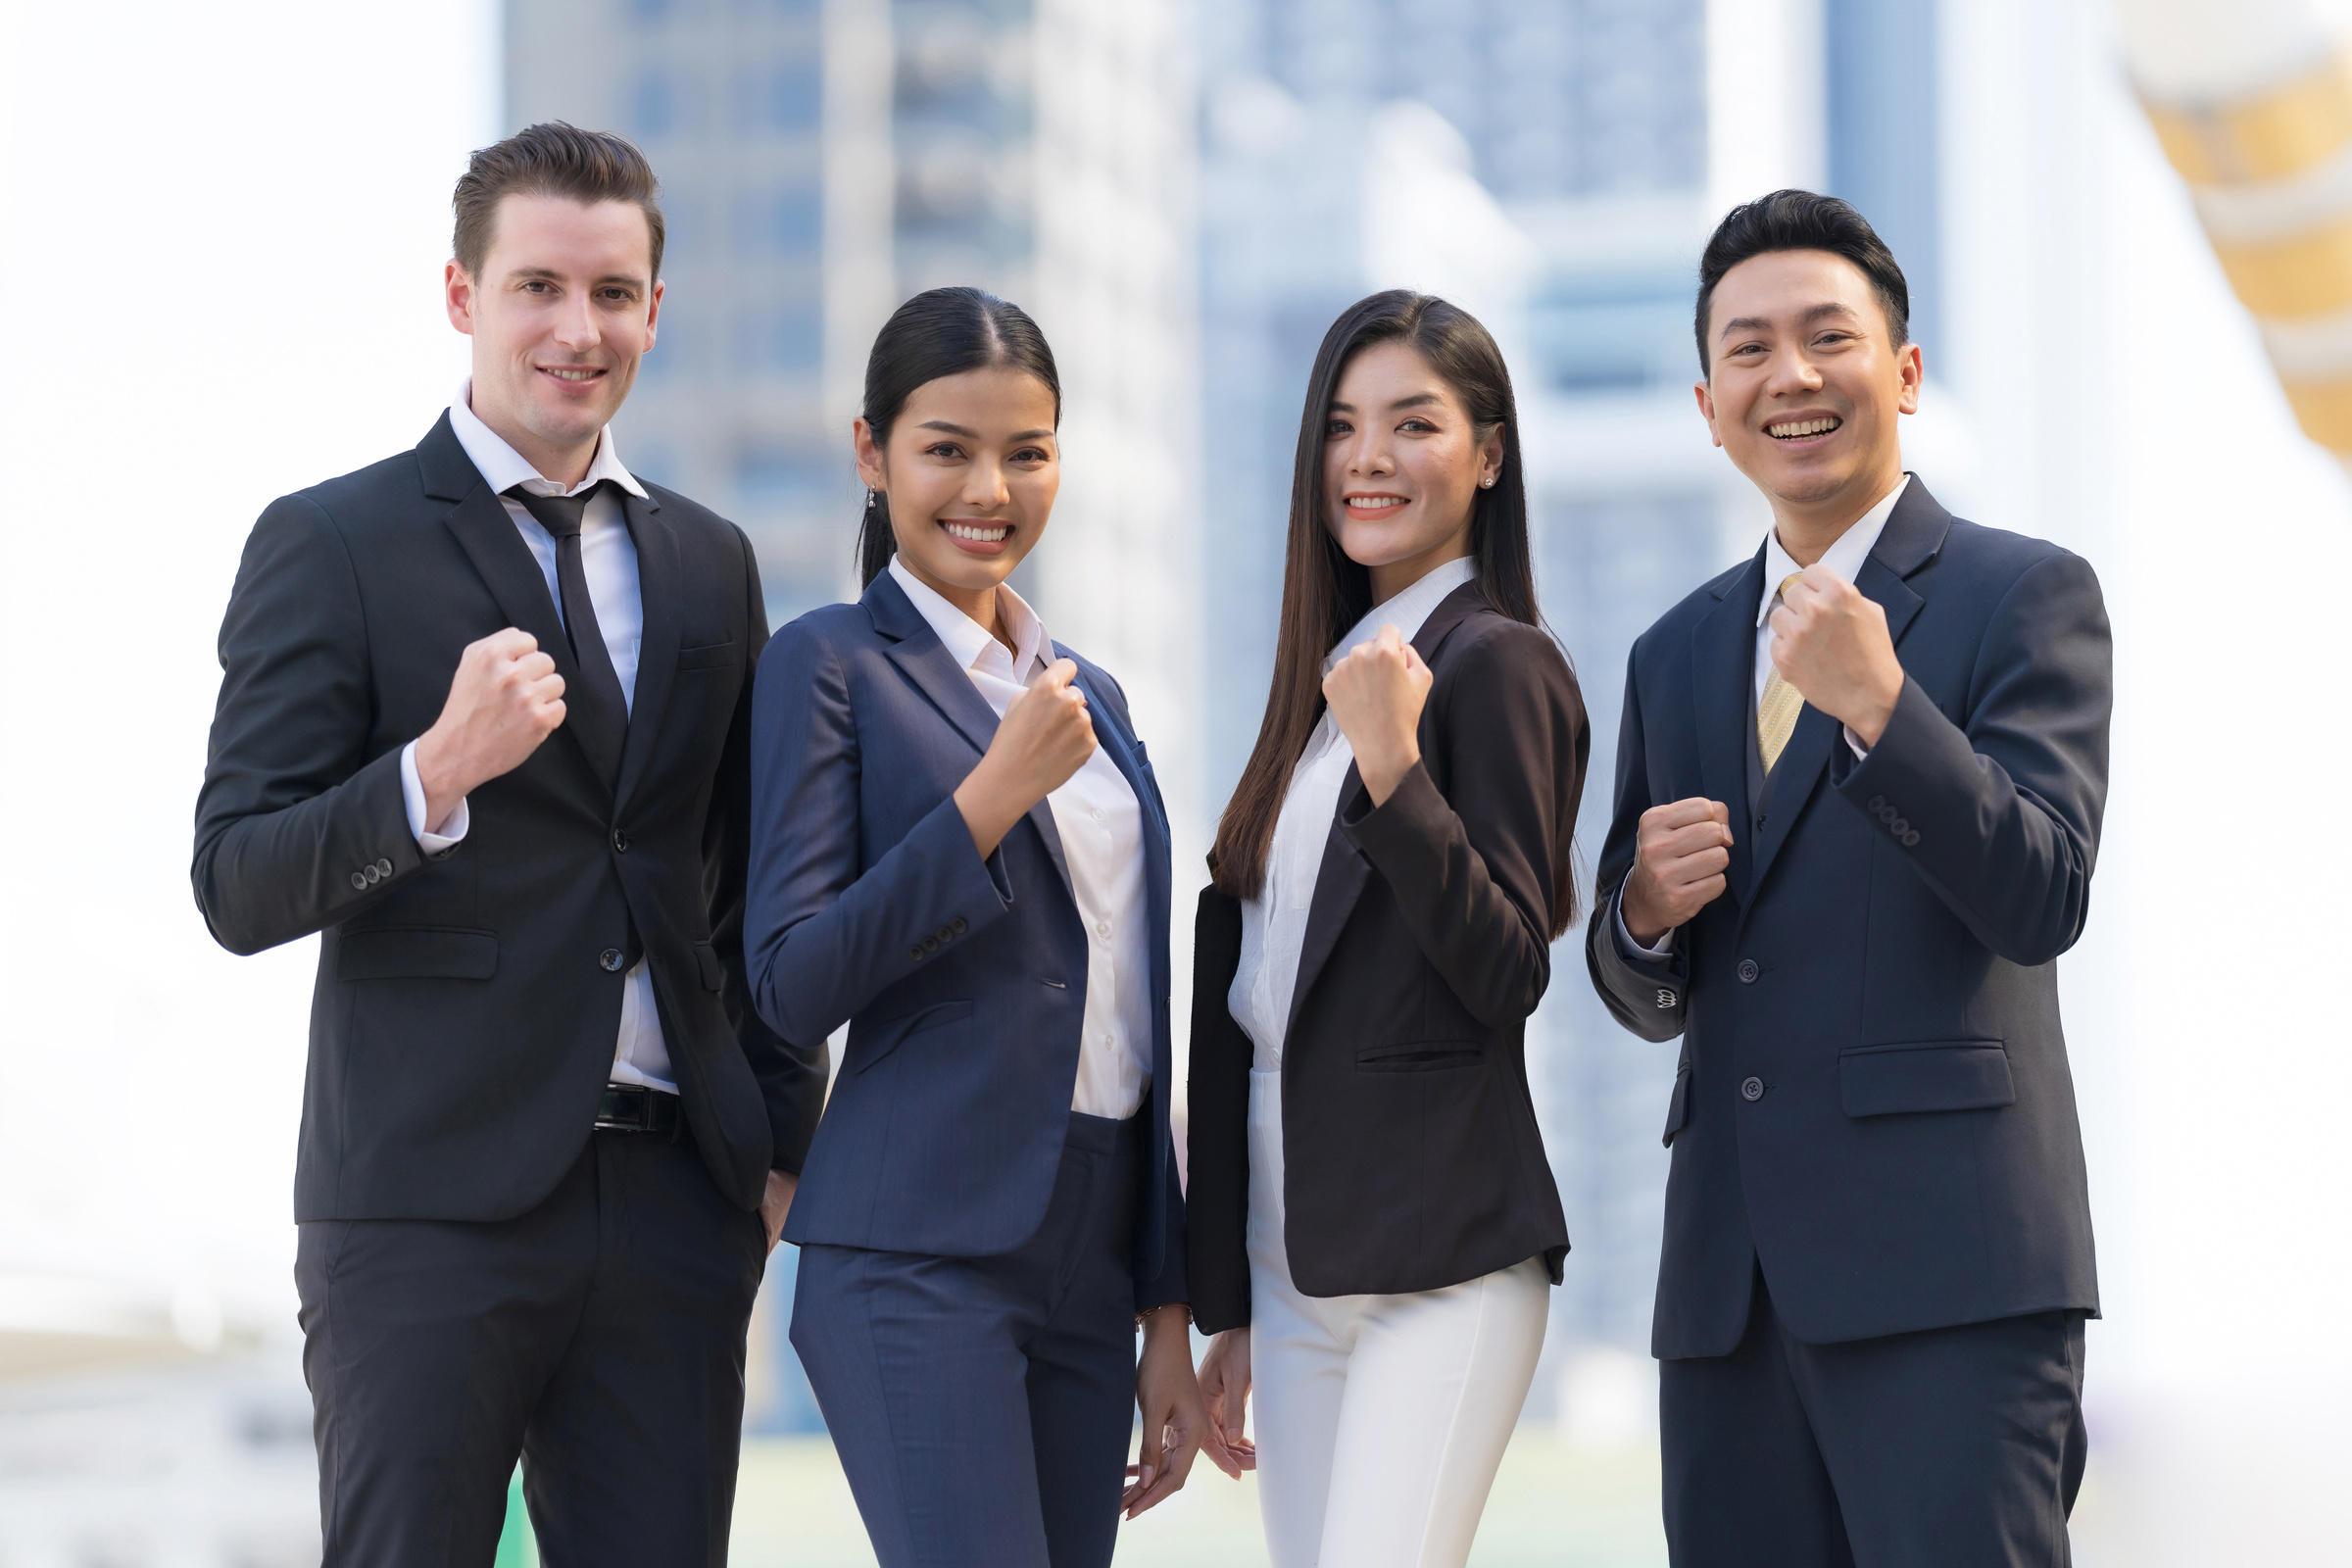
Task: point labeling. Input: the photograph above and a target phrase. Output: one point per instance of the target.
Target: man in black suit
(1859, 786)
(483, 724)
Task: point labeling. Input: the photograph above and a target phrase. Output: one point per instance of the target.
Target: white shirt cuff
(1855, 741)
(1663, 951)
(411, 794)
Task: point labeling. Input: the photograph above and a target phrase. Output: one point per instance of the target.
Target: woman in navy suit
(960, 851)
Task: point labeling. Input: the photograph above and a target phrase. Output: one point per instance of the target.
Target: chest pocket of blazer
(711, 655)
(1929, 1075)
(415, 953)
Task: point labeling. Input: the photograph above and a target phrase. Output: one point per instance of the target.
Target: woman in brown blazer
(1374, 1227)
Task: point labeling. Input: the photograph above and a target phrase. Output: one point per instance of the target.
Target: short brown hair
(551, 159)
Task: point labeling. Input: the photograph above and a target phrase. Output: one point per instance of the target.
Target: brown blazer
(1409, 1136)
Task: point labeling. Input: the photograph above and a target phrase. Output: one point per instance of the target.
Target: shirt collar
(1843, 558)
(1407, 609)
(504, 467)
(972, 645)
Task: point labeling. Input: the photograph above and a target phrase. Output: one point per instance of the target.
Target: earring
(1486, 484)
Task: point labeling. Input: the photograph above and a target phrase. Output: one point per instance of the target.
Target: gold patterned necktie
(1777, 708)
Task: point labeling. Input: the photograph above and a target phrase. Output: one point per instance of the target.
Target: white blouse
(1274, 923)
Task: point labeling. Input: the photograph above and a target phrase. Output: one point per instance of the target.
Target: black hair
(1324, 592)
(940, 332)
(1801, 220)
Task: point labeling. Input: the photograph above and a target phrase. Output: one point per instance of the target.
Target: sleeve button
(384, 867)
(1911, 839)
(359, 879)
(916, 953)
(957, 925)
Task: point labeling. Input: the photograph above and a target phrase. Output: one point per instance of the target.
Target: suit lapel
(926, 661)
(659, 584)
(1722, 659)
(1122, 753)
(1341, 879)
(1913, 534)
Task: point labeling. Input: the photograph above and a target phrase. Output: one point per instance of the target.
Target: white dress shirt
(1274, 923)
(608, 563)
(1101, 828)
(1843, 560)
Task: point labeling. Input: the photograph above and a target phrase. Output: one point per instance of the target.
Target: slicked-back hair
(551, 159)
(940, 332)
(1324, 593)
(1800, 220)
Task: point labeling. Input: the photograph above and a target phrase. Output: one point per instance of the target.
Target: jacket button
(1751, 1089)
(1882, 811)
(359, 879)
(957, 926)
(946, 934)
(620, 842)
(1898, 828)
(370, 873)
(1665, 998)
(1873, 804)
(384, 867)
(610, 958)
(930, 944)
(1748, 971)
(916, 953)
(1911, 839)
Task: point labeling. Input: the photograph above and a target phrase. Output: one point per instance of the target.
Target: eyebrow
(1418, 399)
(554, 276)
(1757, 323)
(974, 435)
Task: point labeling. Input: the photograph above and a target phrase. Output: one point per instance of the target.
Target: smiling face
(971, 469)
(563, 313)
(1402, 464)
(1805, 384)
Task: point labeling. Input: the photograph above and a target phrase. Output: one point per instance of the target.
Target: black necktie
(594, 707)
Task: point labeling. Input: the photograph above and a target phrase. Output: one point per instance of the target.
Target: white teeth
(572, 376)
(983, 536)
(1372, 503)
(1797, 427)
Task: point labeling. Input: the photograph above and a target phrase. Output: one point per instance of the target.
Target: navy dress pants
(1958, 1447)
(983, 1407)
(599, 1336)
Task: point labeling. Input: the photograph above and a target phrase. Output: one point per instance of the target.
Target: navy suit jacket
(1873, 1098)
(963, 981)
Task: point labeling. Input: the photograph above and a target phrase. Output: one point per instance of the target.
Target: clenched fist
(1045, 736)
(1376, 693)
(1828, 641)
(1682, 852)
(504, 701)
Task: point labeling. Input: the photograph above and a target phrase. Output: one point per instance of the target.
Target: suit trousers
(599, 1336)
(1381, 1419)
(1955, 1447)
(983, 1407)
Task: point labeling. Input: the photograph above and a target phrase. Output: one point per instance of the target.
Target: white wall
(226, 230)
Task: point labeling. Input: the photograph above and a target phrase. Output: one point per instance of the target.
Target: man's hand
(1174, 1423)
(1681, 855)
(1829, 642)
(504, 701)
(1375, 694)
(1045, 737)
(1225, 1396)
(776, 1202)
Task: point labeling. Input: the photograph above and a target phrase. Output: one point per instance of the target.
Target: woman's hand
(1225, 1399)
(1045, 737)
(1174, 1425)
(1376, 693)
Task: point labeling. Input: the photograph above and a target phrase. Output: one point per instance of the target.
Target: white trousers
(1381, 1419)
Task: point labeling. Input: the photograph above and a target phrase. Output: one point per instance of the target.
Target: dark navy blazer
(964, 981)
(1872, 1099)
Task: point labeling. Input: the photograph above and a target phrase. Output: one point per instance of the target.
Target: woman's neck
(1394, 578)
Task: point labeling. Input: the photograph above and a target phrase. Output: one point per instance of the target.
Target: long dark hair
(940, 331)
(1324, 593)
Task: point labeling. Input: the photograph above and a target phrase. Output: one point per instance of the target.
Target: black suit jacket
(464, 1020)
(1411, 1158)
(1873, 1098)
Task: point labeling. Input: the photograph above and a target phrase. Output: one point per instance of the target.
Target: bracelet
(1182, 1306)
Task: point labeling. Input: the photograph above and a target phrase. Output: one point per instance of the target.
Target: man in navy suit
(1859, 785)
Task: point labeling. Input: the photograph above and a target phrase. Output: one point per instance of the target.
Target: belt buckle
(637, 1120)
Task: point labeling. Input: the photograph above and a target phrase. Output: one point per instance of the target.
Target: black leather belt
(627, 1108)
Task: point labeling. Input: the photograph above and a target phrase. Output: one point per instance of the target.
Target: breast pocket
(1421, 1056)
(1925, 1075)
(710, 655)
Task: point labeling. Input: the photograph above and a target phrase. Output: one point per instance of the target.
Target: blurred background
(2125, 224)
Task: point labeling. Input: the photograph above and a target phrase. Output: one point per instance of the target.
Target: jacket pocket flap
(888, 1035)
(1420, 1055)
(1931, 1075)
(711, 655)
(415, 953)
(706, 960)
(1678, 1109)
